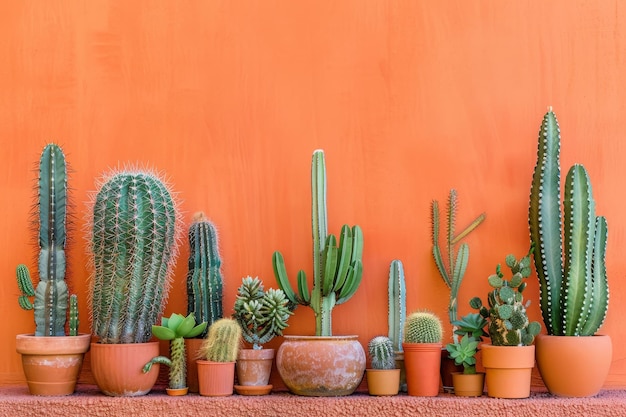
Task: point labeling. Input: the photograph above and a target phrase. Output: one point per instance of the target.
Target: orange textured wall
(229, 99)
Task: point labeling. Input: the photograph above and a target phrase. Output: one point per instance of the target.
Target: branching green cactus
(204, 278)
(337, 270)
(508, 321)
(222, 342)
(261, 314)
(380, 349)
(451, 266)
(572, 275)
(134, 244)
(423, 327)
(397, 304)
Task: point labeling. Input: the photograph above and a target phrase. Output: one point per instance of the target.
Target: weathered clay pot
(216, 379)
(382, 382)
(508, 370)
(574, 366)
(52, 363)
(321, 366)
(254, 366)
(468, 385)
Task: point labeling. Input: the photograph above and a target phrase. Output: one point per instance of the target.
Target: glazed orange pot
(508, 370)
(468, 385)
(422, 362)
(215, 379)
(191, 355)
(381, 382)
(117, 368)
(254, 366)
(52, 363)
(574, 366)
(321, 366)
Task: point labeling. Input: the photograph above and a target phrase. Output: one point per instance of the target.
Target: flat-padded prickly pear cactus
(423, 327)
(222, 342)
(380, 349)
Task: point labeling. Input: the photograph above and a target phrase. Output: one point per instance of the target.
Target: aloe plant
(337, 269)
(397, 304)
(572, 272)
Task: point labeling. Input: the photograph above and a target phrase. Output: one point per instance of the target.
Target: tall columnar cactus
(222, 342)
(337, 270)
(204, 276)
(451, 266)
(572, 274)
(423, 327)
(134, 244)
(380, 349)
(397, 304)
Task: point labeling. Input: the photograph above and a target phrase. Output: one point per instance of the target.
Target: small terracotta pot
(422, 362)
(574, 366)
(52, 363)
(117, 368)
(176, 392)
(215, 379)
(192, 346)
(383, 382)
(254, 366)
(468, 385)
(508, 370)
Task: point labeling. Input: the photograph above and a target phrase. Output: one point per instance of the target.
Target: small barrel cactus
(222, 342)
(397, 304)
(380, 349)
(423, 327)
(204, 276)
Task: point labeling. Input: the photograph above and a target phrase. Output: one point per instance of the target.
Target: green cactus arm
(355, 276)
(280, 272)
(162, 360)
(457, 277)
(397, 303)
(329, 262)
(451, 214)
(345, 255)
(319, 214)
(437, 254)
(600, 294)
(303, 288)
(473, 225)
(25, 285)
(73, 315)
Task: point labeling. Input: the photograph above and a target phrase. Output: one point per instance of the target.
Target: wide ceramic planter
(192, 346)
(508, 370)
(254, 367)
(468, 385)
(117, 368)
(422, 362)
(321, 366)
(52, 364)
(215, 379)
(383, 382)
(574, 366)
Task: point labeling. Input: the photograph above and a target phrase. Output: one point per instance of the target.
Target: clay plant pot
(321, 366)
(574, 366)
(52, 363)
(422, 362)
(468, 385)
(254, 367)
(382, 382)
(508, 370)
(448, 367)
(215, 379)
(176, 392)
(117, 368)
(192, 346)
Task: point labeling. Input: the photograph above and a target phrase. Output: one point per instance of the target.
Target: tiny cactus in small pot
(380, 349)
(423, 334)
(382, 378)
(219, 350)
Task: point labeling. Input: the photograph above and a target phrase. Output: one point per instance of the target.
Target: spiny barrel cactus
(222, 342)
(572, 274)
(261, 314)
(508, 321)
(337, 269)
(397, 303)
(134, 244)
(204, 276)
(423, 327)
(380, 349)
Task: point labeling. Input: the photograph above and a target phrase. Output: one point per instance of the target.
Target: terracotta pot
(468, 385)
(191, 355)
(320, 366)
(448, 367)
(508, 370)
(52, 363)
(215, 379)
(176, 392)
(254, 366)
(422, 362)
(383, 381)
(117, 368)
(574, 366)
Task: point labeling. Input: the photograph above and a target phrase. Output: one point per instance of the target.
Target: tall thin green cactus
(134, 244)
(337, 270)
(397, 304)
(204, 276)
(572, 274)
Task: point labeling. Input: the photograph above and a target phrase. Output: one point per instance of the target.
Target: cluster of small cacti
(381, 353)
(204, 276)
(134, 244)
(573, 285)
(423, 327)
(261, 314)
(508, 320)
(222, 341)
(397, 304)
